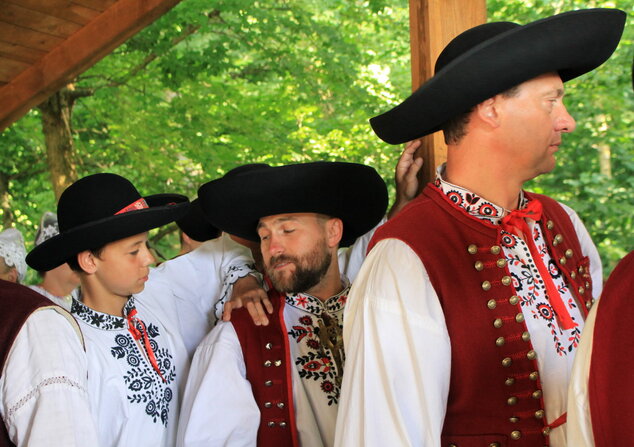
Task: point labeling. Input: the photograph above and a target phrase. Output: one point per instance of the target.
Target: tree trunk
(56, 125)
(5, 203)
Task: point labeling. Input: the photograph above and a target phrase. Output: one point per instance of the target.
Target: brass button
(278, 363)
(514, 420)
(581, 290)
(516, 434)
(496, 250)
(539, 414)
(453, 445)
(280, 405)
(509, 381)
(268, 404)
(537, 394)
(472, 249)
(531, 355)
(506, 280)
(526, 336)
(514, 300)
(282, 424)
(486, 285)
(507, 361)
(588, 304)
(511, 400)
(587, 285)
(271, 424)
(494, 444)
(268, 383)
(500, 341)
(573, 275)
(492, 304)
(580, 269)
(559, 238)
(550, 225)
(269, 346)
(569, 253)
(546, 431)
(519, 317)
(562, 260)
(498, 323)
(479, 265)
(267, 363)
(534, 375)
(501, 263)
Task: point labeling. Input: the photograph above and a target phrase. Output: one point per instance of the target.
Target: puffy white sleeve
(218, 405)
(43, 389)
(398, 354)
(197, 284)
(351, 258)
(588, 249)
(579, 424)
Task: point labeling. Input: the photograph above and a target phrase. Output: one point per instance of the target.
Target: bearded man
(279, 384)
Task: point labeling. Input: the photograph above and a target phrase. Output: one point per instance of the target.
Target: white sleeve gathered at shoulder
(351, 258)
(43, 387)
(218, 405)
(579, 421)
(588, 249)
(398, 354)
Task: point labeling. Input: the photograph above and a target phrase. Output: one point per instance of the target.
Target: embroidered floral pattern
(526, 279)
(145, 386)
(317, 333)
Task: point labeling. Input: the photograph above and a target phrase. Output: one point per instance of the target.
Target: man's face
(123, 266)
(533, 122)
(295, 250)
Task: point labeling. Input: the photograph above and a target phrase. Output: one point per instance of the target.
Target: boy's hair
(74, 264)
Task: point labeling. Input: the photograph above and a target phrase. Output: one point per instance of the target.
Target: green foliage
(218, 83)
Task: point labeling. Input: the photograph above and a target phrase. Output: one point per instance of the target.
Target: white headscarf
(12, 251)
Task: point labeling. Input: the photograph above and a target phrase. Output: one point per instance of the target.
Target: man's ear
(13, 275)
(488, 111)
(87, 261)
(334, 231)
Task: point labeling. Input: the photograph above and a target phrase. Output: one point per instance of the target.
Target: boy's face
(123, 266)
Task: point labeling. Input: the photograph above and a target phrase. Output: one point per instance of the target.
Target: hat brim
(352, 192)
(163, 209)
(570, 44)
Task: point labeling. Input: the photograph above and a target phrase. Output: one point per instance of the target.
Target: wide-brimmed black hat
(99, 209)
(491, 58)
(352, 192)
(195, 225)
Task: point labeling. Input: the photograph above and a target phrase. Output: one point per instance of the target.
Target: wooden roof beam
(76, 54)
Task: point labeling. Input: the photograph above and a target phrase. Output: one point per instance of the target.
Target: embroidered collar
(472, 203)
(101, 320)
(315, 306)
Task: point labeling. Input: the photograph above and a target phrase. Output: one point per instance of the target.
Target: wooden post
(433, 23)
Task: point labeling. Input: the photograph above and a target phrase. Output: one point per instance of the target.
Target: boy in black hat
(463, 323)
(279, 384)
(136, 343)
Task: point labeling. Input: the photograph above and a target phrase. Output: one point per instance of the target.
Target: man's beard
(310, 269)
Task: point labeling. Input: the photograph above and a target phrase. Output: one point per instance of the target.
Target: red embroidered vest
(495, 395)
(611, 393)
(266, 354)
(17, 303)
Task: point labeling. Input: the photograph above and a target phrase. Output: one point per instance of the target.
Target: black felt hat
(99, 209)
(491, 58)
(352, 192)
(195, 225)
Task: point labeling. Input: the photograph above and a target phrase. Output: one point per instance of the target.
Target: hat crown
(93, 198)
(469, 39)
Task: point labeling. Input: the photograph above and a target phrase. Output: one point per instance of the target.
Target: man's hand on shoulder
(406, 177)
(248, 292)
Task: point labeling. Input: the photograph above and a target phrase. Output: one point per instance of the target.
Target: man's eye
(289, 231)
(134, 253)
(263, 238)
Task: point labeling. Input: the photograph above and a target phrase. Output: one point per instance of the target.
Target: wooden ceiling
(46, 43)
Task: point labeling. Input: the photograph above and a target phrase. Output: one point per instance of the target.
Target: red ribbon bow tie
(138, 331)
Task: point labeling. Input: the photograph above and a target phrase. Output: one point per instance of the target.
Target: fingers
(256, 310)
(257, 304)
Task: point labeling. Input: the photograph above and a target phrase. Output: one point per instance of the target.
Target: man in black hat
(131, 317)
(463, 323)
(194, 229)
(279, 384)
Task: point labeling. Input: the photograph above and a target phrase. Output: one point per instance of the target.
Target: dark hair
(455, 128)
(74, 264)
